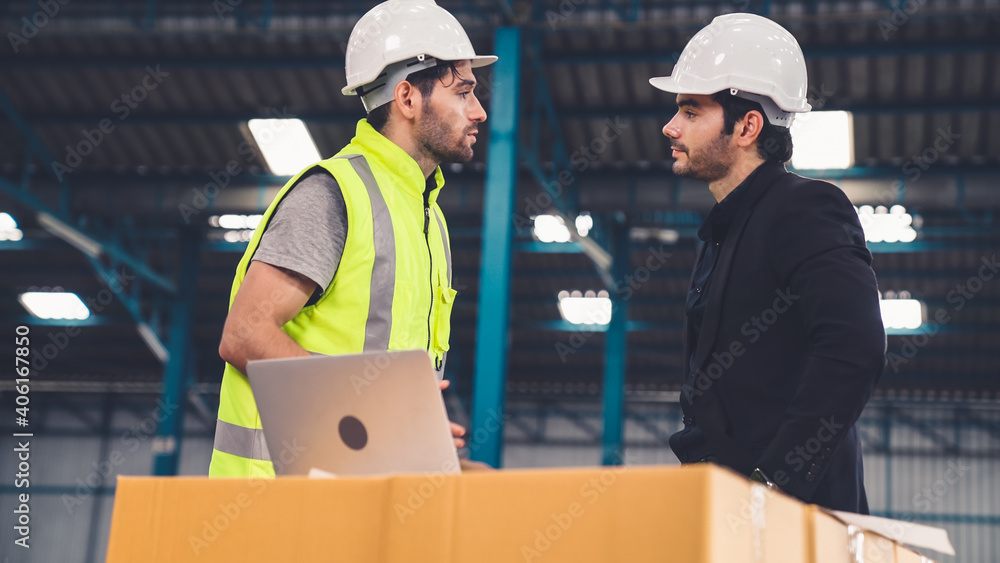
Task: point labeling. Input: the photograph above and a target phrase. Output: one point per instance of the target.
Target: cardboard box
(831, 540)
(692, 514)
(900, 531)
(904, 555)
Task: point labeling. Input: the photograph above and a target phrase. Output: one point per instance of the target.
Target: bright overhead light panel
(585, 308)
(7, 222)
(8, 228)
(584, 222)
(823, 140)
(286, 144)
(553, 228)
(54, 305)
(882, 224)
(235, 221)
(902, 313)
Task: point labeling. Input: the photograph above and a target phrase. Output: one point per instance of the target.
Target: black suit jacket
(792, 342)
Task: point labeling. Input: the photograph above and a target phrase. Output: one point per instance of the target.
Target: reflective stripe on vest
(439, 367)
(237, 440)
(379, 323)
(447, 247)
(249, 442)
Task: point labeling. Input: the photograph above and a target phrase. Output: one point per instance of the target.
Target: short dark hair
(423, 80)
(774, 143)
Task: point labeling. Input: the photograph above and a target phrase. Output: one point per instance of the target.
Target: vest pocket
(444, 300)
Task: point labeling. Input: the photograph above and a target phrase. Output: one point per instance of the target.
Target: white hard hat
(749, 55)
(397, 38)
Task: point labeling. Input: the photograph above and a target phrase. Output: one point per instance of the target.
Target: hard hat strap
(382, 90)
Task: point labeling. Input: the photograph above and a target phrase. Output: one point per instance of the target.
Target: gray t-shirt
(308, 230)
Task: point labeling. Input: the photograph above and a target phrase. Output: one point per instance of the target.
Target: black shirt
(712, 234)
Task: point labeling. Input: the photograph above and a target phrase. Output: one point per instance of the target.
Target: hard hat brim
(668, 84)
(483, 60)
(475, 62)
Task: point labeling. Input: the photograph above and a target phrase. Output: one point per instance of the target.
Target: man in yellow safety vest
(353, 253)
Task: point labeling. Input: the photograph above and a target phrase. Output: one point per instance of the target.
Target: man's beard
(435, 138)
(709, 164)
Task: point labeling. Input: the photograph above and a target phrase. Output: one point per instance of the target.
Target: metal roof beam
(557, 182)
(638, 326)
(596, 113)
(897, 107)
(249, 179)
(59, 222)
(114, 266)
(862, 50)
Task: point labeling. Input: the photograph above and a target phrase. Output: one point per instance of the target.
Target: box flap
(909, 533)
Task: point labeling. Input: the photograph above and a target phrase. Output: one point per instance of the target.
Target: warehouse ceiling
(128, 121)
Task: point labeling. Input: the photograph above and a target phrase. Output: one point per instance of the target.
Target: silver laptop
(358, 414)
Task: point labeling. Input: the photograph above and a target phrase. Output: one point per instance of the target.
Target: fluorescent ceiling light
(54, 305)
(8, 228)
(902, 313)
(584, 222)
(886, 225)
(666, 236)
(235, 221)
(552, 228)
(823, 140)
(585, 309)
(14, 235)
(232, 221)
(239, 228)
(286, 144)
(238, 236)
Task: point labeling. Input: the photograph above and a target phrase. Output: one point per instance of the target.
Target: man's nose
(478, 112)
(671, 130)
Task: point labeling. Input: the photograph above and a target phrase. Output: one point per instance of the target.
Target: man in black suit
(784, 341)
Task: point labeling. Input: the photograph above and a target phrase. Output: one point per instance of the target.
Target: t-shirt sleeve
(308, 230)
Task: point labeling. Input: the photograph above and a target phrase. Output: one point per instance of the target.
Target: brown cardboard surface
(692, 514)
(830, 541)
(909, 533)
(785, 529)
(906, 555)
(879, 549)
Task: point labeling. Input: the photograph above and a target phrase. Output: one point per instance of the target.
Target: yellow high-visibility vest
(392, 289)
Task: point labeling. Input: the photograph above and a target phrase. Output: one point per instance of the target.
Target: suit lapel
(716, 290)
(766, 176)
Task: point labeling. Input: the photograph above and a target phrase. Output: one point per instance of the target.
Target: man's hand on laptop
(457, 430)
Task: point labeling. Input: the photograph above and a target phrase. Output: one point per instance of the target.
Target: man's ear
(748, 129)
(408, 99)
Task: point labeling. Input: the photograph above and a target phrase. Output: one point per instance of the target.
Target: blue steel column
(612, 452)
(486, 437)
(170, 413)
